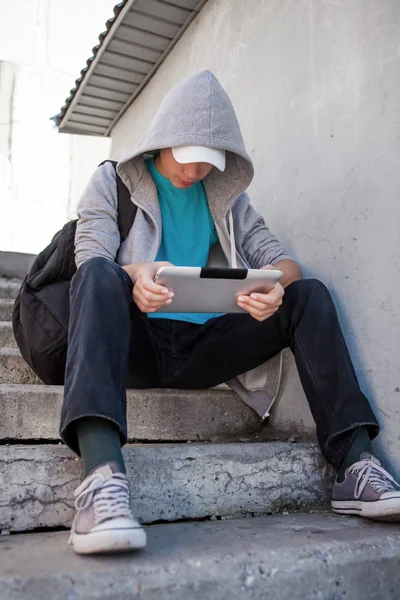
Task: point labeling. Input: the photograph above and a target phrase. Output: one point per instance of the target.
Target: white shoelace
(370, 472)
(110, 497)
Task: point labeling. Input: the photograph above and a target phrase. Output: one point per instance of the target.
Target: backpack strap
(126, 208)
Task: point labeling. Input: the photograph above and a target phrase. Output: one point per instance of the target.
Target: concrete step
(15, 264)
(9, 288)
(13, 368)
(6, 307)
(169, 481)
(204, 414)
(32, 412)
(312, 557)
(7, 339)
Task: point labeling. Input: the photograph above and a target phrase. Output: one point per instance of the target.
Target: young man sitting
(188, 178)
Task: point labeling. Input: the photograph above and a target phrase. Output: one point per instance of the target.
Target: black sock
(99, 442)
(361, 443)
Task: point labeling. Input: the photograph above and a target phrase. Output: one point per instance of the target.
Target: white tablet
(212, 290)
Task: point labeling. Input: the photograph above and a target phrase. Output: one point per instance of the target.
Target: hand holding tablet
(213, 290)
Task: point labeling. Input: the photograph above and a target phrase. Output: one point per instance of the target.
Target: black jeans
(112, 346)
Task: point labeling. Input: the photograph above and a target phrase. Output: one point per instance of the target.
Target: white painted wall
(316, 86)
(43, 47)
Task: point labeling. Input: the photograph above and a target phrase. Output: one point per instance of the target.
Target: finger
(268, 268)
(147, 303)
(151, 286)
(140, 292)
(262, 313)
(274, 296)
(250, 303)
(260, 303)
(147, 307)
(152, 297)
(257, 313)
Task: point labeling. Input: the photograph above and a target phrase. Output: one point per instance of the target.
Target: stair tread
(296, 556)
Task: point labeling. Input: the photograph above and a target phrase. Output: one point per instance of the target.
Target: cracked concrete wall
(316, 88)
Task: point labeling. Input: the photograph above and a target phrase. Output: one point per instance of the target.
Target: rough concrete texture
(7, 339)
(6, 307)
(15, 264)
(13, 368)
(32, 412)
(299, 557)
(169, 482)
(9, 288)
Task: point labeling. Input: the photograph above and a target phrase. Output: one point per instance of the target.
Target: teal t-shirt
(188, 232)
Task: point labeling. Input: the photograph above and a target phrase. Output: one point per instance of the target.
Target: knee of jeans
(97, 265)
(312, 287)
(100, 270)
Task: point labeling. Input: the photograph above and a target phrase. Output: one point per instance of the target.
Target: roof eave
(100, 98)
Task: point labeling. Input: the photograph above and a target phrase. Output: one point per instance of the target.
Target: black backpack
(41, 311)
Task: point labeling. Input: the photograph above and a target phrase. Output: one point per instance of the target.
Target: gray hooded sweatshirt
(197, 112)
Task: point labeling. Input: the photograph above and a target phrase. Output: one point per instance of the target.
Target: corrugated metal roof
(136, 41)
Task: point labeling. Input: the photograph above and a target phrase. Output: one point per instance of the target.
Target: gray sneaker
(104, 520)
(368, 490)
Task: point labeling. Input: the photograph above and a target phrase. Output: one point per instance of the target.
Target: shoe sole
(380, 510)
(109, 541)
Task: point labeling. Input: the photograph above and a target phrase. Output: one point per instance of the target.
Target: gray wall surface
(316, 86)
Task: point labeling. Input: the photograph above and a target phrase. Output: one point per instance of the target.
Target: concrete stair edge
(276, 557)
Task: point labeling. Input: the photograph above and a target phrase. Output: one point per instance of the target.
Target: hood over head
(197, 112)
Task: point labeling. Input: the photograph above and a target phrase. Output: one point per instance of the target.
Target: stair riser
(6, 307)
(33, 413)
(7, 339)
(15, 264)
(13, 369)
(169, 482)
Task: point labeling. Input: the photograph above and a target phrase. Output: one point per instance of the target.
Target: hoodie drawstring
(232, 238)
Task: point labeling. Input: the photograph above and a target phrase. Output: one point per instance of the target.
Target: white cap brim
(192, 154)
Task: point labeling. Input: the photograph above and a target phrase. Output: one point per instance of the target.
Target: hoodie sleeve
(97, 231)
(259, 244)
